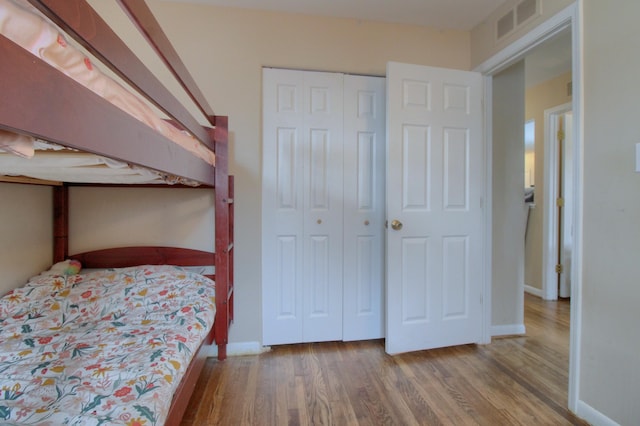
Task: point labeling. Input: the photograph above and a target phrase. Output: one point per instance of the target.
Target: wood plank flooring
(513, 381)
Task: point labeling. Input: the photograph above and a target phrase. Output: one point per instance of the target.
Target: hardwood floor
(512, 381)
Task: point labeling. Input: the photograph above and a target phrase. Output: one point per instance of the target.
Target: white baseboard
(239, 348)
(506, 330)
(593, 416)
(533, 290)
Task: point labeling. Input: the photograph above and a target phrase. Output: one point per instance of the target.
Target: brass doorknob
(396, 225)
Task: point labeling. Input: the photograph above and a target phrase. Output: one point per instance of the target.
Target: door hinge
(559, 268)
(560, 135)
(560, 202)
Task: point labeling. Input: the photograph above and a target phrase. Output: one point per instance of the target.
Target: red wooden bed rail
(142, 16)
(124, 257)
(79, 20)
(224, 235)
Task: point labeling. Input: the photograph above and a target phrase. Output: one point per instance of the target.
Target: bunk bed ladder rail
(60, 223)
(224, 236)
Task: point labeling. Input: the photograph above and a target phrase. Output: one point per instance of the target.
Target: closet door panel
(286, 305)
(322, 271)
(283, 206)
(364, 144)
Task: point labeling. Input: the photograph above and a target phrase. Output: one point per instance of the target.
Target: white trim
(488, 211)
(575, 335)
(533, 290)
(239, 348)
(593, 416)
(570, 17)
(508, 330)
(549, 215)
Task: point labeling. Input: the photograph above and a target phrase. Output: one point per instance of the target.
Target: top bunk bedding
(52, 163)
(41, 72)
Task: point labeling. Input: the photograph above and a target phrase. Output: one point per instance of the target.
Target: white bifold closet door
(319, 254)
(364, 207)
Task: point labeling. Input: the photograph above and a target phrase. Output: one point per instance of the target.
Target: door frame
(550, 222)
(568, 18)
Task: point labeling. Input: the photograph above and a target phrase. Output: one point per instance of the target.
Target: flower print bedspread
(106, 347)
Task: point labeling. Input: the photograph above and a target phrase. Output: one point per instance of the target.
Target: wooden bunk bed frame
(38, 101)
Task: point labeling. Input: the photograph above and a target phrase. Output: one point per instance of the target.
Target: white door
(435, 189)
(558, 193)
(322, 272)
(302, 206)
(364, 207)
(566, 176)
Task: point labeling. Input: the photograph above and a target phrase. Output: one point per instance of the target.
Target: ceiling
(444, 14)
(549, 60)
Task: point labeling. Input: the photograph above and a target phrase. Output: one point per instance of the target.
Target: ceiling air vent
(505, 25)
(525, 10)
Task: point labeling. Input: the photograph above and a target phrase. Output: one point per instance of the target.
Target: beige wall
(508, 206)
(111, 217)
(26, 229)
(99, 218)
(609, 374)
(537, 99)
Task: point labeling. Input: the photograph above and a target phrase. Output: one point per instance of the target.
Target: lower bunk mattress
(103, 347)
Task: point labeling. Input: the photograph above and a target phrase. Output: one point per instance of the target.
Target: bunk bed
(45, 106)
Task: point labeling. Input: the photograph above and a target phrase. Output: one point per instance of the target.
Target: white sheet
(52, 162)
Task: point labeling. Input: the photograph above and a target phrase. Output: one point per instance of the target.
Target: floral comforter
(106, 347)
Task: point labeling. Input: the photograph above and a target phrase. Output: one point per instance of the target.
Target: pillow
(66, 267)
